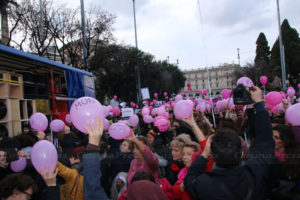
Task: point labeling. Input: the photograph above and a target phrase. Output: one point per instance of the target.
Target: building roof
(19, 61)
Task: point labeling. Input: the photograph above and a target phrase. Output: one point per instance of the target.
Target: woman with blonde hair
(176, 164)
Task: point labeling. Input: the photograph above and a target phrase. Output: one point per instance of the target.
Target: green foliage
(262, 49)
(291, 43)
(114, 67)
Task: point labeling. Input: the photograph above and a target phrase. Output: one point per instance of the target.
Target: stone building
(221, 77)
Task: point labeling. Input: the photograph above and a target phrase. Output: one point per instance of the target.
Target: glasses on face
(28, 196)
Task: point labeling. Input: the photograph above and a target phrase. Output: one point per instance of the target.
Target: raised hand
(49, 176)
(95, 133)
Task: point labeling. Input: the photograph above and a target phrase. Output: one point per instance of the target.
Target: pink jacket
(150, 164)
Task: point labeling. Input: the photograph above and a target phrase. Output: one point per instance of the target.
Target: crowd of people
(250, 154)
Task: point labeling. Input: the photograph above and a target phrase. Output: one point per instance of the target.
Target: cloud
(173, 27)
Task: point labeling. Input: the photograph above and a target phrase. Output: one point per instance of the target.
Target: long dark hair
(291, 149)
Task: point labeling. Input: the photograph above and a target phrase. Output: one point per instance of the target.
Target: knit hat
(152, 133)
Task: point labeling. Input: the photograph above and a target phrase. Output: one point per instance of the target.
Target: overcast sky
(174, 28)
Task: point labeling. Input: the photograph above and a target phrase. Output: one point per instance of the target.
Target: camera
(241, 96)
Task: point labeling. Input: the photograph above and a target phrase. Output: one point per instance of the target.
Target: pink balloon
(109, 108)
(136, 107)
(154, 111)
(85, 109)
(133, 120)
(68, 119)
(166, 115)
(106, 125)
(57, 125)
(43, 154)
(151, 108)
(163, 102)
(293, 114)
(298, 85)
(156, 119)
(162, 125)
(116, 110)
(119, 131)
(182, 94)
(191, 98)
(247, 82)
(168, 106)
(273, 98)
(208, 107)
(283, 94)
(155, 95)
(226, 94)
(145, 111)
(202, 107)
(154, 102)
(269, 106)
(183, 109)
(38, 121)
(291, 92)
(166, 97)
(18, 165)
(200, 92)
(205, 92)
(165, 94)
(245, 109)
(148, 119)
(274, 109)
(196, 102)
(123, 122)
(173, 104)
(280, 107)
(161, 110)
(115, 98)
(263, 80)
(178, 97)
(105, 111)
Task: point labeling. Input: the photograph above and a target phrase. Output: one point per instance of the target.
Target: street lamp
(137, 69)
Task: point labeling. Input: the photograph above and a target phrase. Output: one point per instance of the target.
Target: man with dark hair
(231, 178)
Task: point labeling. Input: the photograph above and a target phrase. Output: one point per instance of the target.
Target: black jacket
(254, 174)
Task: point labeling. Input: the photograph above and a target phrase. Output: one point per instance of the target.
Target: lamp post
(282, 59)
(83, 35)
(137, 69)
